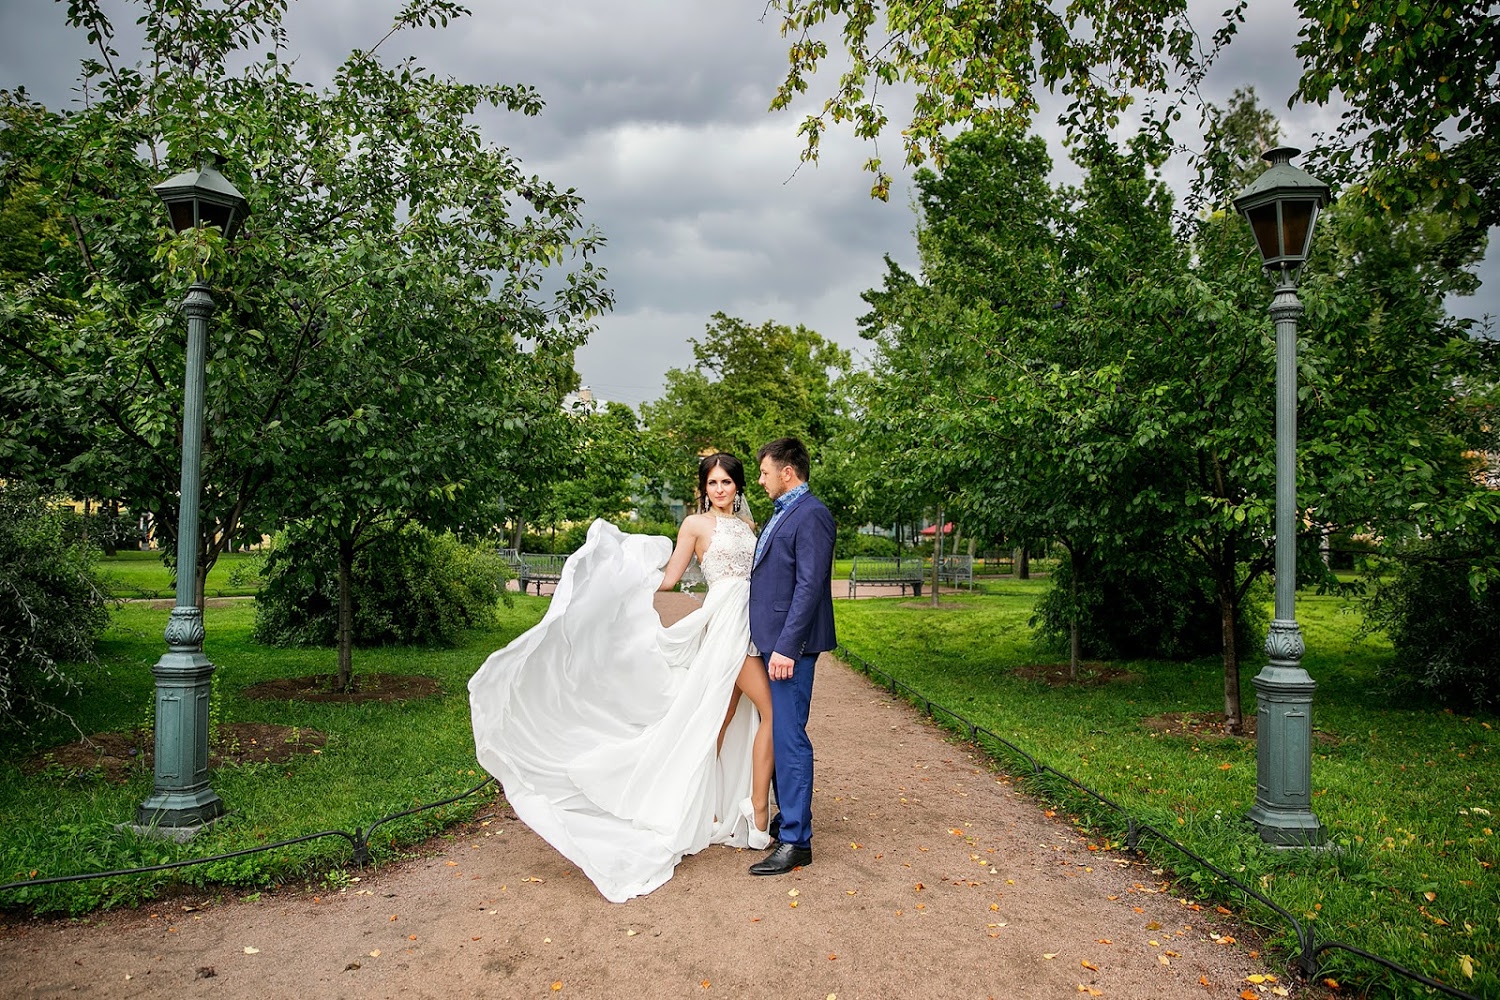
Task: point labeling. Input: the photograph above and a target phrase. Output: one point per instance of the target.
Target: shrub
(413, 587)
(52, 607)
(1163, 609)
(1443, 619)
(875, 545)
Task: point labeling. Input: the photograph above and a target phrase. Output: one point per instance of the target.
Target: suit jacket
(791, 596)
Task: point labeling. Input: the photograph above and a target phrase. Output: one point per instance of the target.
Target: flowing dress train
(601, 723)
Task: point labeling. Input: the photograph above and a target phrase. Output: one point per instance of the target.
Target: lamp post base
(1298, 830)
(1282, 813)
(179, 832)
(181, 796)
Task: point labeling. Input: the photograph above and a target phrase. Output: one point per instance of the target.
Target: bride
(624, 743)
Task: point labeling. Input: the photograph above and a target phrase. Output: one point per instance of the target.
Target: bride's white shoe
(759, 839)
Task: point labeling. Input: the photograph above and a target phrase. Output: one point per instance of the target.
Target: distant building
(582, 402)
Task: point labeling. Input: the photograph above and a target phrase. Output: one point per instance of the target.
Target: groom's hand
(779, 667)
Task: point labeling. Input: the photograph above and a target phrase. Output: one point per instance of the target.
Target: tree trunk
(937, 557)
(1022, 568)
(346, 615)
(1234, 724)
(110, 541)
(1075, 631)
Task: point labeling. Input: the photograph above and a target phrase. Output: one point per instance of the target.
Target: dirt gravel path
(932, 877)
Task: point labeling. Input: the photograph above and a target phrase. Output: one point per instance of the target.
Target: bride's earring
(739, 503)
(703, 504)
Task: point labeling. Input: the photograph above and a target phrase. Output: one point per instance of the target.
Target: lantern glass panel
(1296, 219)
(182, 215)
(210, 214)
(1264, 223)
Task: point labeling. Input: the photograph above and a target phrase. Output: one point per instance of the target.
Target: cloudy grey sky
(656, 113)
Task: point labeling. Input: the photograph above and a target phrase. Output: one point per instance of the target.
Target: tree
(368, 360)
(1424, 100)
(1419, 77)
(748, 385)
(606, 473)
(1129, 415)
(978, 64)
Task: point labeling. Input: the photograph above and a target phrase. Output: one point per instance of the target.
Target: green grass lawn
(380, 759)
(1409, 795)
(131, 574)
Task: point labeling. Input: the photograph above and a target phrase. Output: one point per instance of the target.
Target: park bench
(534, 567)
(885, 571)
(957, 570)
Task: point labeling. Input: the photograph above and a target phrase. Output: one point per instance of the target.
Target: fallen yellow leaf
(704, 984)
(1049, 955)
(1466, 965)
(375, 953)
(1164, 960)
(251, 951)
(557, 986)
(794, 893)
(1249, 995)
(1430, 896)
(1088, 965)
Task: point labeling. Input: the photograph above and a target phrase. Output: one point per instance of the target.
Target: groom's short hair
(787, 451)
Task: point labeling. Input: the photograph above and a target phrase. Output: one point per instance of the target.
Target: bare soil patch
(1210, 725)
(1090, 674)
(115, 756)
(362, 688)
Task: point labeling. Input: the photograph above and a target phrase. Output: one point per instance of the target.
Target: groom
(791, 622)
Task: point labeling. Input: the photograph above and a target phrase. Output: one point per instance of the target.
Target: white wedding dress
(601, 723)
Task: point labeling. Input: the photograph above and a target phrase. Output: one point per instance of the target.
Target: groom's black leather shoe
(782, 859)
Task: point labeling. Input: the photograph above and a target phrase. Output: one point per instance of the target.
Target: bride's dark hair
(719, 460)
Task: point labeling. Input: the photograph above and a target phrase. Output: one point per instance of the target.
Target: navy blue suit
(791, 612)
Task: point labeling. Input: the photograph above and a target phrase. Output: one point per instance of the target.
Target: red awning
(931, 529)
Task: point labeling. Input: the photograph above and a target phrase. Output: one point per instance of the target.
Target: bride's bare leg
(756, 685)
(734, 703)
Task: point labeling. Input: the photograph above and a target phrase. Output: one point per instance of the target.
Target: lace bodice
(731, 551)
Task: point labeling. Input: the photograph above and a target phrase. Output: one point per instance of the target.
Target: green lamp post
(1282, 208)
(181, 801)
